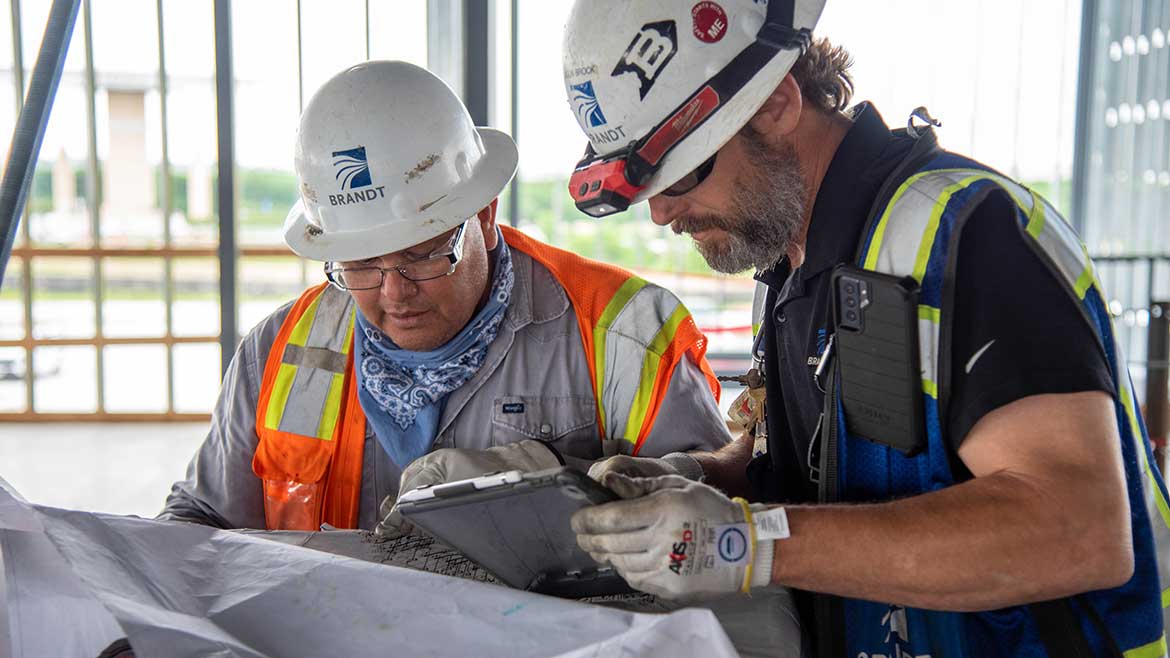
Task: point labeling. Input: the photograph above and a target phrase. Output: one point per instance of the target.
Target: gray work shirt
(536, 359)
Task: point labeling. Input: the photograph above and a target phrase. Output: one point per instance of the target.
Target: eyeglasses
(692, 179)
(442, 262)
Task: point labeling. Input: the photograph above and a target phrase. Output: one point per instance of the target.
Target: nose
(664, 209)
(397, 287)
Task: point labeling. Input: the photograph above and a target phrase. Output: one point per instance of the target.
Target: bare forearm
(726, 468)
(988, 543)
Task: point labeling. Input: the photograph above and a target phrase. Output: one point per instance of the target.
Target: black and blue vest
(915, 235)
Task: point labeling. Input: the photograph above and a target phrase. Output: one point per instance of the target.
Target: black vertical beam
(94, 195)
(167, 201)
(477, 58)
(225, 146)
(26, 263)
(32, 122)
(514, 34)
(1082, 134)
(1158, 379)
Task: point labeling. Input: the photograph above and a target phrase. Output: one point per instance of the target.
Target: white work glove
(675, 538)
(450, 464)
(676, 463)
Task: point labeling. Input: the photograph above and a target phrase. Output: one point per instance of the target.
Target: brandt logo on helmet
(353, 172)
(648, 54)
(586, 106)
(352, 169)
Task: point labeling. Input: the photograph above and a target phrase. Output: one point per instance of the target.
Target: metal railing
(1137, 290)
(99, 254)
(21, 347)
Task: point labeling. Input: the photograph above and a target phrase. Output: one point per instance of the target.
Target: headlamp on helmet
(606, 184)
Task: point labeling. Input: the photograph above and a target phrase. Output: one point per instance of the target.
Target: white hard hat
(387, 157)
(657, 78)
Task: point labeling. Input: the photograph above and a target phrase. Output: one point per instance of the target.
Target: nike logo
(971, 363)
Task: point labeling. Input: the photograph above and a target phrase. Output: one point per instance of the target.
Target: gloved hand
(450, 464)
(676, 463)
(675, 538)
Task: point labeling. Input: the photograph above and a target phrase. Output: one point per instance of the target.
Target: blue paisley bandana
(403, 392)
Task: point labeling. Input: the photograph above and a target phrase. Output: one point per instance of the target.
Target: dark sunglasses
(692, 179)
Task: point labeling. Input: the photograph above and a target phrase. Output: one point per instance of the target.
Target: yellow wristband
(747, 517)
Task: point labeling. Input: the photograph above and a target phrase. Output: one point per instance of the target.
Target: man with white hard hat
(949, 462)
(439, 345)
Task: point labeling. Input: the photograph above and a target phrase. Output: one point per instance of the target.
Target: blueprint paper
(764, 624)
(179, 589)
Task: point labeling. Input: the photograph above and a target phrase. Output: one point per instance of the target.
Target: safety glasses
(440, 263)
(692, 179)
(603, 185)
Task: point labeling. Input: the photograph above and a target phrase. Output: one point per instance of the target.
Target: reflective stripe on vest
(308, 419)
(623, 320)
(305, 402)
(912, 238)
(312, 368)
(759, 298)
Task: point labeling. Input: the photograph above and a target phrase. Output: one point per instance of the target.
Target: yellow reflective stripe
(1036, 220)
(1163, 508)
(1156, 649)
(1166, 598)
(932, 315)
(755, 329)
(1086, 280)
(927, 244)
(1135, 428)
(615, 306)
(349, 332)
(300, 332)
(332, 410)
(879, 233)
(288, 372)
(930, 388)
(279, 397)
(650, 366)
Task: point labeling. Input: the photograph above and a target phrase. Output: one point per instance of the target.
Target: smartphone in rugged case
(876, 334)
(516, 525)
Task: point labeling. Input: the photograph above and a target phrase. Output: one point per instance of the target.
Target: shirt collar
(537, 297)
(847, 193)
(864, 159)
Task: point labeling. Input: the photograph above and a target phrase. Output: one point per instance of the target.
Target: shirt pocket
(568, 423)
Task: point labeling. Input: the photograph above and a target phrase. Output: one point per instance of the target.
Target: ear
(780, 113)
(487, 222)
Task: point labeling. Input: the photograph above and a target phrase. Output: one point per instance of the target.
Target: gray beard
(766, 214)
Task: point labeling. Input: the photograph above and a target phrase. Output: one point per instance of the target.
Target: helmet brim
(491, 176)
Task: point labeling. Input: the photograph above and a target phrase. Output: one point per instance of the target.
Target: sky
(1003, 86)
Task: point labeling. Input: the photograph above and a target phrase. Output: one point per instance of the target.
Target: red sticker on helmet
(710, 21)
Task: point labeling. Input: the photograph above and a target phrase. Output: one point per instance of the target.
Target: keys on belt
(747, 411)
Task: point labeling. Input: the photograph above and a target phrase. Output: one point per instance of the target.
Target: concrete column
(199, 195)
(64, 184)
(127, 182)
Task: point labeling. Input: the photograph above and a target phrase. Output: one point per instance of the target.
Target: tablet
(516, 525)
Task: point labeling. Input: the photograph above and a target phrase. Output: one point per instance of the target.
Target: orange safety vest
(310, 455)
